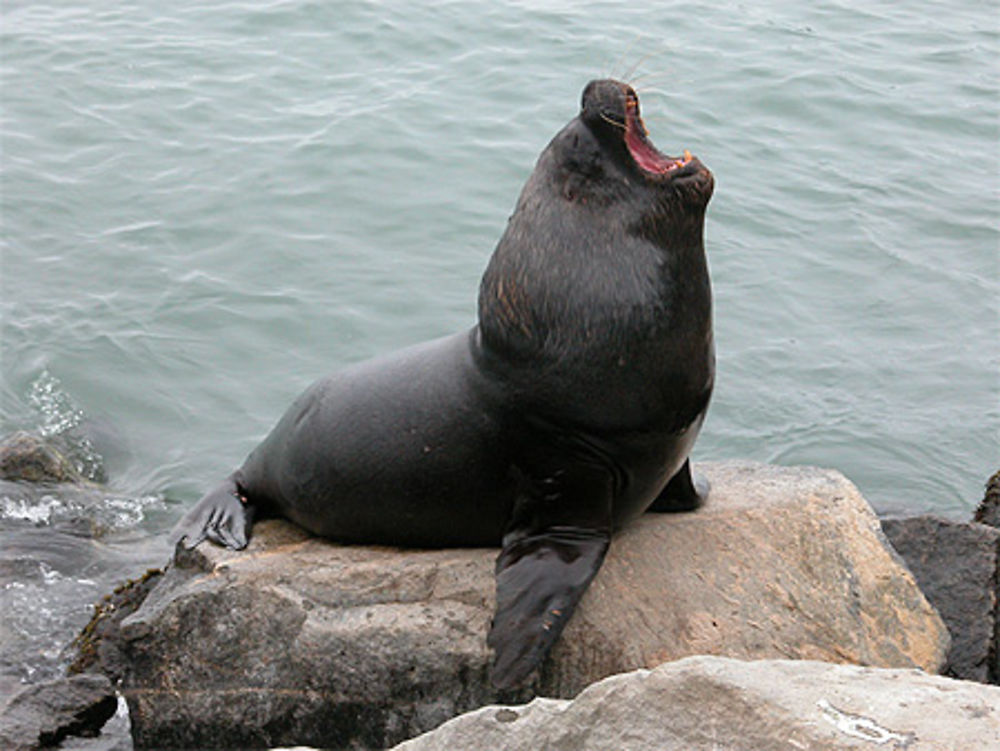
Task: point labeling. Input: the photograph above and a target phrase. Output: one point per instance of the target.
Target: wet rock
(703, 703)
(45, 713)
(296, 640)
(988, 511)
(97, 648)
(28, 457)
(955, 565)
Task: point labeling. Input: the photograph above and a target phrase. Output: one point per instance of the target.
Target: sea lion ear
(574, 185)
(540, 579)
(580, 163)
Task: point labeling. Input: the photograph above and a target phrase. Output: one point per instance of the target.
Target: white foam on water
(107, 513)
(39, 511)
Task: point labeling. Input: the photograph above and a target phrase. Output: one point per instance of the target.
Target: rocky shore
(708, 703)
(297, 640)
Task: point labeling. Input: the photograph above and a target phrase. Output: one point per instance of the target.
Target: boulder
(296, 640)
(707, 703)
(955, 565)
(28, 457)
(44, 714)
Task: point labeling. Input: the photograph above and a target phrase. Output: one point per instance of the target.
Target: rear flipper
(540, 579)
(223, 516)
(685, 491)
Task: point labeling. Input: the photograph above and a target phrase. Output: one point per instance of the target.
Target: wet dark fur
(569, 409)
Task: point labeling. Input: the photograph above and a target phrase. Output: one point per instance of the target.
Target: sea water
(206, 206)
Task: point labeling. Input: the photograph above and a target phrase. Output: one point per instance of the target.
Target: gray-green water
(206, 206)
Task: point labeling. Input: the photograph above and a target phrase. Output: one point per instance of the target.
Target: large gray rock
(955, 565)
(709, 703)
(297, 640)
(44, 714)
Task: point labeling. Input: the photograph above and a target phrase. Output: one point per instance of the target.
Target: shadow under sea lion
(568, 410)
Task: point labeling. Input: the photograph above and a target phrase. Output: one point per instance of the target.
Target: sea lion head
(604, 253)
(604, 156)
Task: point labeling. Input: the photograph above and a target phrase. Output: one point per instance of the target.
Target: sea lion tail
(222, 516)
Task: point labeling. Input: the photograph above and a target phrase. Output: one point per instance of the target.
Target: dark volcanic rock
(46, 713)
(989, 508)
(955, 565)
(296, 640)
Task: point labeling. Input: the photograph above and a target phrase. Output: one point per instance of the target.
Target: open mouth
(639, 146)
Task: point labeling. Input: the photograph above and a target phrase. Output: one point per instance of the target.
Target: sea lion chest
(599, 328)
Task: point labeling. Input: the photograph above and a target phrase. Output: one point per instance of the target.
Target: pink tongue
(645, 155)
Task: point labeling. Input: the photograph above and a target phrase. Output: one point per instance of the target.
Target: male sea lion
(568, 410)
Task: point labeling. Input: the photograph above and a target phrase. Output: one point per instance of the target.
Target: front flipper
(223, 516)
(540, 579)
(685, 491)
(558, 533)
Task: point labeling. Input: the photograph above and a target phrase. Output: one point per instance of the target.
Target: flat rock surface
(299, 641)
(711, 703)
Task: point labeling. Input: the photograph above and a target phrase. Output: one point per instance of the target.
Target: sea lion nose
(604, 92)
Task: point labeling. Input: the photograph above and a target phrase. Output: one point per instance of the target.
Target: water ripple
(208, 205)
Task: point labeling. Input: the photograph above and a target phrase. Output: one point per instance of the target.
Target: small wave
(39, 512)
(41, 614)
(60, 416)
(126, 513)
(104, 513)
(134, 227)
(58, 410)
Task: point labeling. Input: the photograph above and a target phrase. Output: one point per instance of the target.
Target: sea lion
(568, 410)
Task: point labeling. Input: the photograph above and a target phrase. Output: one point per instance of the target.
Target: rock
(299, 641)
(704, 703)
(988, 511)
(955, 565)
(45, 713)
(97, 648)
(73, 455)
(27, 457)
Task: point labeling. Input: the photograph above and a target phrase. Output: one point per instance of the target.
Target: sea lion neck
(604, 248)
